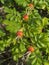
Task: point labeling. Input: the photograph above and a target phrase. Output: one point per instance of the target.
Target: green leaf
(46, 63)
(15, 58)
(2, 1)
(36, 58)
(22, 47)
(12, 26)
(2, 33)
(23, 2)
(45, 21)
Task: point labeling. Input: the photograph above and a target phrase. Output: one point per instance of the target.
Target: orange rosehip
(31, 49)
(19, 34)
(31, 5)
(25, 17)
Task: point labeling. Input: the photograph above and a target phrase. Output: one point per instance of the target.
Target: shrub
(32, 18)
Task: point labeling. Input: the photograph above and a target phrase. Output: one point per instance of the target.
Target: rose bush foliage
(33, 21)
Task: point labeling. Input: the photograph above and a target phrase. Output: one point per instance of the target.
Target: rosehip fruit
(19, 34)
(31, 49)
(25, 17)
(31, 6)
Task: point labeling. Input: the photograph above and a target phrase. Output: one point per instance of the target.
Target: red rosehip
(25, 17)
(31, 5)
(31, 49)
(19, 34)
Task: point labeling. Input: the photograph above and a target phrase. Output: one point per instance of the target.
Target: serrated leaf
(21, 2)
(22, 47)
(12, 26)
(45, 21)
